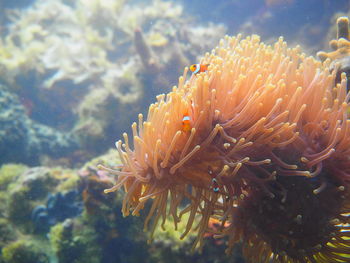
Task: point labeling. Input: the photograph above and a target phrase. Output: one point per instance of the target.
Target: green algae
(23, 251)
(10, 173)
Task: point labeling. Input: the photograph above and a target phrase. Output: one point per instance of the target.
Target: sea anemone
(267, 154)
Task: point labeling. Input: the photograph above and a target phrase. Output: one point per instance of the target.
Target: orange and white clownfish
(198, 68)
(186, 123)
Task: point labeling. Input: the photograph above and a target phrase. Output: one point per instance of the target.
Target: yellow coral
(157, 40)
(341, 45)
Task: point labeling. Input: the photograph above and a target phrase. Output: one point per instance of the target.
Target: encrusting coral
(267, 154)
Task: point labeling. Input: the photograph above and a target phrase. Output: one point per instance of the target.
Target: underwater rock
(24, 251)
(39, 182)
(7, 233)
(59, 207)
(73, 241)
(29, 188)
(10, 173)
(22, 139)
(19, 206)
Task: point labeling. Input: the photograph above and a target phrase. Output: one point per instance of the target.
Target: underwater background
(74, 75)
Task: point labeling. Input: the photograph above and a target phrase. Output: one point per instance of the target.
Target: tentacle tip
(117, 144)
(307, 174)
(304, 159)
(341, 188)
(316, 191)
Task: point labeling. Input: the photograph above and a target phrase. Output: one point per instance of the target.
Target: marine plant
(267, 154)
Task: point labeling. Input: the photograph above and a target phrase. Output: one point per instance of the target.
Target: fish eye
(193, 67)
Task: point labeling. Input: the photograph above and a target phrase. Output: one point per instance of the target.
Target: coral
(69, 179)
(340, 57)
(79, 50)
(38, 180)
(105, 159)
(27, 139)
(23, 251)
(96, 203)
(19, 207)
(341, 45)
(116, 236)
(58, 208)
(90, 50)
(10, 173)
(171, 236)
(97, 107)
(33, 185)
(267, 155)
(69, 247)
(7, 232)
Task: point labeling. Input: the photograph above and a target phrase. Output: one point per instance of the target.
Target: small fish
(215, 185)
(214, 182)
(186, 123)
(198, 68)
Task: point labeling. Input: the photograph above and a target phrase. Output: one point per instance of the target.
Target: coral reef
(23, 251)
(267, 155)
(22, 190)
(263, 169)
(10, 173)
(58, 208)
(340, 57)
(91, 59)
(27, 139)
(7, 232)
(33, 184)
(74, 247)
(41, 220)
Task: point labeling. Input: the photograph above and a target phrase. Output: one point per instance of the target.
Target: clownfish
(214, 182)
(186, 123)
(198, 68)
(215, 185)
